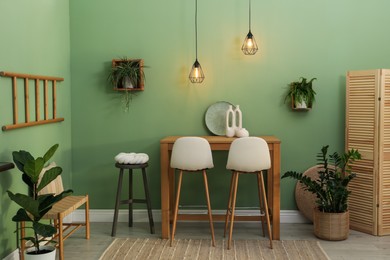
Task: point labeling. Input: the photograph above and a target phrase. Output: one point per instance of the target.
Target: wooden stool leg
(117, 202)
(148, 203)
(87, 229)
(261, 203)
(206, 186)
(266, 209)
(130, 197)
(60, 238)
(22, 242)
(176, 206)
(229, 207)
(233, 208)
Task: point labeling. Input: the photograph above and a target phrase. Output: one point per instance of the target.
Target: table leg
(275, 178)
(165, 194)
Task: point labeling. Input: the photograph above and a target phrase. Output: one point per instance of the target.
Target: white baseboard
(141, 215)
(13, 256)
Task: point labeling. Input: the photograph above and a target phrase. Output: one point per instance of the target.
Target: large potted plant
(331, 215)
(301, 93)
(34, 205)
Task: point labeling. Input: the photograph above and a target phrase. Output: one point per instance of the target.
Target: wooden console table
(218, 143)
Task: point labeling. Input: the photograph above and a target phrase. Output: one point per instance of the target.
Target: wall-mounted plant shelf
(139, 63)
(36, 79)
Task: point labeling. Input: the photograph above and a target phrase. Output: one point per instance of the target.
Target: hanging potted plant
(331, 215)
(127, 75)
(301, 93)
(34, 206)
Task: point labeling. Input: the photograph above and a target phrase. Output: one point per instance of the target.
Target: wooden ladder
(38, 121)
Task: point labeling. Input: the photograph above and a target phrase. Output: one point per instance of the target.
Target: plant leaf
(26, 202)
(50, 153)
(44, 230)
(33, 169)
(21, 215)
(49, 176)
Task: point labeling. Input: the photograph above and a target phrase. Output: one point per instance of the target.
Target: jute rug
(197, 249)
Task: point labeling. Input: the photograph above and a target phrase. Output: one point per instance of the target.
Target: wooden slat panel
(54, 99)
(26, 101)
(15, 100)
(37, 109)
(360, 134)
(384, 156)
(45, 100)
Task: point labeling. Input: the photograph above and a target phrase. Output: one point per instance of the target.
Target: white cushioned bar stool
(191, 154)
(248, 155)
(132, 162)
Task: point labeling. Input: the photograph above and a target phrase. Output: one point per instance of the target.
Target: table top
(218, 139)
(6, 166)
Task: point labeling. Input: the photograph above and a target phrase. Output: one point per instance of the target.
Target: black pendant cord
(249, 15)
(196, 29)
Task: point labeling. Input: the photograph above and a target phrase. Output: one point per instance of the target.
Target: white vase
(230, 122)
(47, 256)
(301, 104)
(238, 117)
(127, 82)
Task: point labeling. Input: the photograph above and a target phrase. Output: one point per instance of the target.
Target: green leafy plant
(126, 69)
(331, 187)
(34, 206)
(127, 74)
(300, 91)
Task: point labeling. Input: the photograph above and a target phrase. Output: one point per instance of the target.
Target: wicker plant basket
(331, 226)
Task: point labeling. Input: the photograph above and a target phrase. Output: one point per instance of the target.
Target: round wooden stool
(131, 200)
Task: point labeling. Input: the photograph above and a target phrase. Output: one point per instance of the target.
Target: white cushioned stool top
(132, 158)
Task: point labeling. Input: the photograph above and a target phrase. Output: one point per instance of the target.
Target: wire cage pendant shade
(196, 73)
(249, 47)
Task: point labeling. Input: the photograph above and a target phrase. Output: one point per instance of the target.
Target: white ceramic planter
(301, 104)
(48, 256)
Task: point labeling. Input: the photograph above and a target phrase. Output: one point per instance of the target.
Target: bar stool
(248, 155)
(192, 154)
(131, 200)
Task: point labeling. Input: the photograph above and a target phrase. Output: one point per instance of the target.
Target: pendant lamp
(249, 47)
(196, 74)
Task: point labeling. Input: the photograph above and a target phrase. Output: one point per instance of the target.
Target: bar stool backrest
(248, 154)
(191, 154)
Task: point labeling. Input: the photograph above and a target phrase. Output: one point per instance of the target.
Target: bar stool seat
(130, 199)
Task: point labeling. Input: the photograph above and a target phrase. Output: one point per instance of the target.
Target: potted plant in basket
(127, 75)
(331, 216)
(301, 93)
(34, 206)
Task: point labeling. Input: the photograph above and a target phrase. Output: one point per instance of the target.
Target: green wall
(296, 38)
(34, 40)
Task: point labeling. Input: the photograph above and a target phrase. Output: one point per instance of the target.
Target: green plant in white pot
(127, 75)
(33, 205)
(301, 93)
(331, 190)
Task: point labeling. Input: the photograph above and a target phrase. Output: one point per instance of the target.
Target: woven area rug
(144, 248)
